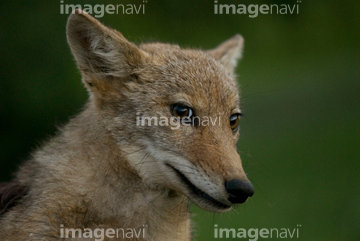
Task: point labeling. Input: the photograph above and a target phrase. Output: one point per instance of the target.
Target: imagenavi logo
(253, 10)
(255, 234)
(99, 10)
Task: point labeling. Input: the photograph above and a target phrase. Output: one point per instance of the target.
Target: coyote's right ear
(100, 52)
(228, 52)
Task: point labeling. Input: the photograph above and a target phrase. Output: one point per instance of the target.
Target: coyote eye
(234, 121)
(182, 112)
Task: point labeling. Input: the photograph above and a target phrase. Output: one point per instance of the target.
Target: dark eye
(234, 121)
(181, 111)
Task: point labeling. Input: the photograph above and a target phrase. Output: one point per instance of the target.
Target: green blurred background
(300, 84)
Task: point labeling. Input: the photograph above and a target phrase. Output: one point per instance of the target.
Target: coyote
(104, 171)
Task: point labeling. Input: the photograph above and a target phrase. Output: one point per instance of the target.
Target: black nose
(238, 190)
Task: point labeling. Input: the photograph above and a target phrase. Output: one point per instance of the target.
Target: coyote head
(194, 89)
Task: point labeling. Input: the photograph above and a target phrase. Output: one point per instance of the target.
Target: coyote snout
(208, 171)
(105, 170)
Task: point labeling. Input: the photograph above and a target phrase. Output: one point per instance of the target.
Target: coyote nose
(238, 190)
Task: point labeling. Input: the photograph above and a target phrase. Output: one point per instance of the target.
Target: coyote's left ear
(228, 52)
(100, 52)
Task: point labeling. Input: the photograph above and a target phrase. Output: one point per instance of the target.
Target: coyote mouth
(197, 192)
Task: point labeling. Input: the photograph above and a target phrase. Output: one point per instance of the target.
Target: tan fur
(102, 170)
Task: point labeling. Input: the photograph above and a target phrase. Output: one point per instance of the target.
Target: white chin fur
(153, 164)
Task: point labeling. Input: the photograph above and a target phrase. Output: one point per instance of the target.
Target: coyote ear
(100, 52)
(228, 52)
